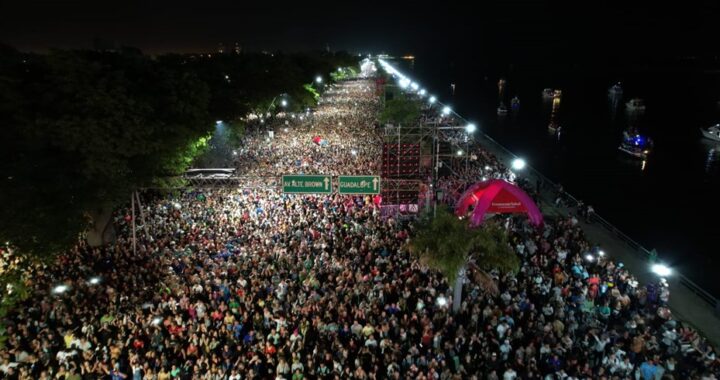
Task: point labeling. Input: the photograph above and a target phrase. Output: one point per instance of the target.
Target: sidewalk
(685, 304)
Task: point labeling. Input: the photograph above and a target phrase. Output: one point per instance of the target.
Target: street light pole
(436, 171)
(271, 104)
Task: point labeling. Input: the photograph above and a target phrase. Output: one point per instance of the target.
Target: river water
(669, 202)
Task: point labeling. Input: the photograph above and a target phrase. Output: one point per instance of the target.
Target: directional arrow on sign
(327, 182)
(359, 184)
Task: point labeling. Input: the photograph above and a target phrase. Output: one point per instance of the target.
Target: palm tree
(448, 244)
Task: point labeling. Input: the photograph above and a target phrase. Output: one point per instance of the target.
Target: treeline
(80, 130)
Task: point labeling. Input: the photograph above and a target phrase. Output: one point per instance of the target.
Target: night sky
(508, 26)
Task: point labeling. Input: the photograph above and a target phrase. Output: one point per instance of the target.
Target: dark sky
(510, 26)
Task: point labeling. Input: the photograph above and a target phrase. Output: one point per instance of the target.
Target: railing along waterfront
(639, 250)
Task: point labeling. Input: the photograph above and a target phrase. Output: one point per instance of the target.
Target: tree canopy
(83, 129)
(446, 242)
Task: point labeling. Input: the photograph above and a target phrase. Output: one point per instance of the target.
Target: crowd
(295, 147)
(250, 283)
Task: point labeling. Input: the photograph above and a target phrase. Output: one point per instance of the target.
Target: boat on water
(515, 103)
(712, 132)
(502, 109)
(635, 144)
(615, 90)
(548, 93)
(635, 105)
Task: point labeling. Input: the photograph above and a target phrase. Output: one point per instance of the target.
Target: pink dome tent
(497, 196)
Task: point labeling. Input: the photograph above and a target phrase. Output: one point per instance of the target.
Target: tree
(226, 138)
(447, 243)
(83, 131)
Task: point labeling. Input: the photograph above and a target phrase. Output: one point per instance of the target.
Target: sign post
(359, 184)
(307, 184)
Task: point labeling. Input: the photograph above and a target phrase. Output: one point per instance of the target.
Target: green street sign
(359, 184)
(307, 184)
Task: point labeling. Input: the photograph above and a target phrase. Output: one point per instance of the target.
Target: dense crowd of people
(251, 283)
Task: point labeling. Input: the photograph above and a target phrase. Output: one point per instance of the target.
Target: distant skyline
(510, 27)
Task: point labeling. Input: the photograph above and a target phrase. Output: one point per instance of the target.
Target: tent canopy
(497, 196)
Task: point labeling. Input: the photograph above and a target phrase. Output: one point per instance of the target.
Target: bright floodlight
(470, 128)
(446, 110)
(422, 92)
(283, 103)
(218, 122)
(441, 301)
(518, 164)
(404, 82)
(432, 99)
(318, 79)
(60, 289)
(459, 152)
(589, 257)
(601, 253)
(661, 270)
(414, 86)
(95, 280)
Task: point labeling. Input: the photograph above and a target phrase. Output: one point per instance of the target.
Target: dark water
(670, 203)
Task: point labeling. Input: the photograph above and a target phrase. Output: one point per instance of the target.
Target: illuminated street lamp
(518, 164)
(283, 103)
(432, 99)
(661, 270)
(318, 79)
(446, 110)
(470, 128)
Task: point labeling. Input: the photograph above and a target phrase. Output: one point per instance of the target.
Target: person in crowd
(250, 283)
